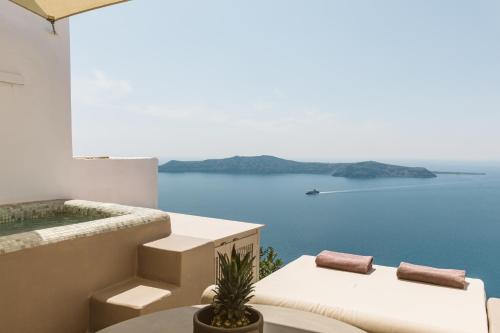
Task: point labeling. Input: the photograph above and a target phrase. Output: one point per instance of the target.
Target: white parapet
(127, 181)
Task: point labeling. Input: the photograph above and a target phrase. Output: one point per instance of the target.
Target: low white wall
(132, 181)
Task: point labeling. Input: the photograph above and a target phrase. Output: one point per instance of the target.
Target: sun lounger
(377, 302)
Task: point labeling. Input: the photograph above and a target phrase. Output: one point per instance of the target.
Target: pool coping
(121, 217)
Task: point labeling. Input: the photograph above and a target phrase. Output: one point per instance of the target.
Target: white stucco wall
(36, 161)
(35, 122)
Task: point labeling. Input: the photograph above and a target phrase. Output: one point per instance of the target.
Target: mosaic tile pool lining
(104, 217)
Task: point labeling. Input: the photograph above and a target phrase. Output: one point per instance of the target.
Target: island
(266, 164)
(372, 169)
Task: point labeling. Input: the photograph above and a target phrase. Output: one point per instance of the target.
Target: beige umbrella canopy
(53, 10)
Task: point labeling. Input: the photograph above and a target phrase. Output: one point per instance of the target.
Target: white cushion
(377, 302)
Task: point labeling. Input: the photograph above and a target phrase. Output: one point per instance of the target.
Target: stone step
(129, 299)
(177, 259)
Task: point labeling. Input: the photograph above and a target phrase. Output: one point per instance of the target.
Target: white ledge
(111, 158)
(11, 78)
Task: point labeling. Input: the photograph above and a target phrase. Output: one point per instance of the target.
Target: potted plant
(229, 312)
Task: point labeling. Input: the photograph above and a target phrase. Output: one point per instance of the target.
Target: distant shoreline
(459, 173)
(266, 164)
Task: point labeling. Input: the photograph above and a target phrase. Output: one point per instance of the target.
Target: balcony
(84, 248)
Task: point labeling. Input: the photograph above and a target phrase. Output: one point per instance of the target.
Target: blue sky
(310, 79)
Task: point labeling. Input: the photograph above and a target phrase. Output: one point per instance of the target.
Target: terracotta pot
(203, 317)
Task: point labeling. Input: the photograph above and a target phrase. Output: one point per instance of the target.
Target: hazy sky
(310, 79)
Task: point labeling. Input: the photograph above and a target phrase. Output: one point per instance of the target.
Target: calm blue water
(450, 221)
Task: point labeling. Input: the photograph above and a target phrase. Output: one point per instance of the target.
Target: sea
(452, 221)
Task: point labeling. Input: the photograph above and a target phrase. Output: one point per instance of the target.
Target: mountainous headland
(273, 165)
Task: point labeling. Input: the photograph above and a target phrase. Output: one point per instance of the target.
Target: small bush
(269, 262)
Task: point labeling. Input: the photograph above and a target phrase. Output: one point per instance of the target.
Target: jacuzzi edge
(122, 217)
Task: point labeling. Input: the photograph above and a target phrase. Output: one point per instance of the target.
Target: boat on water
(313, 192)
